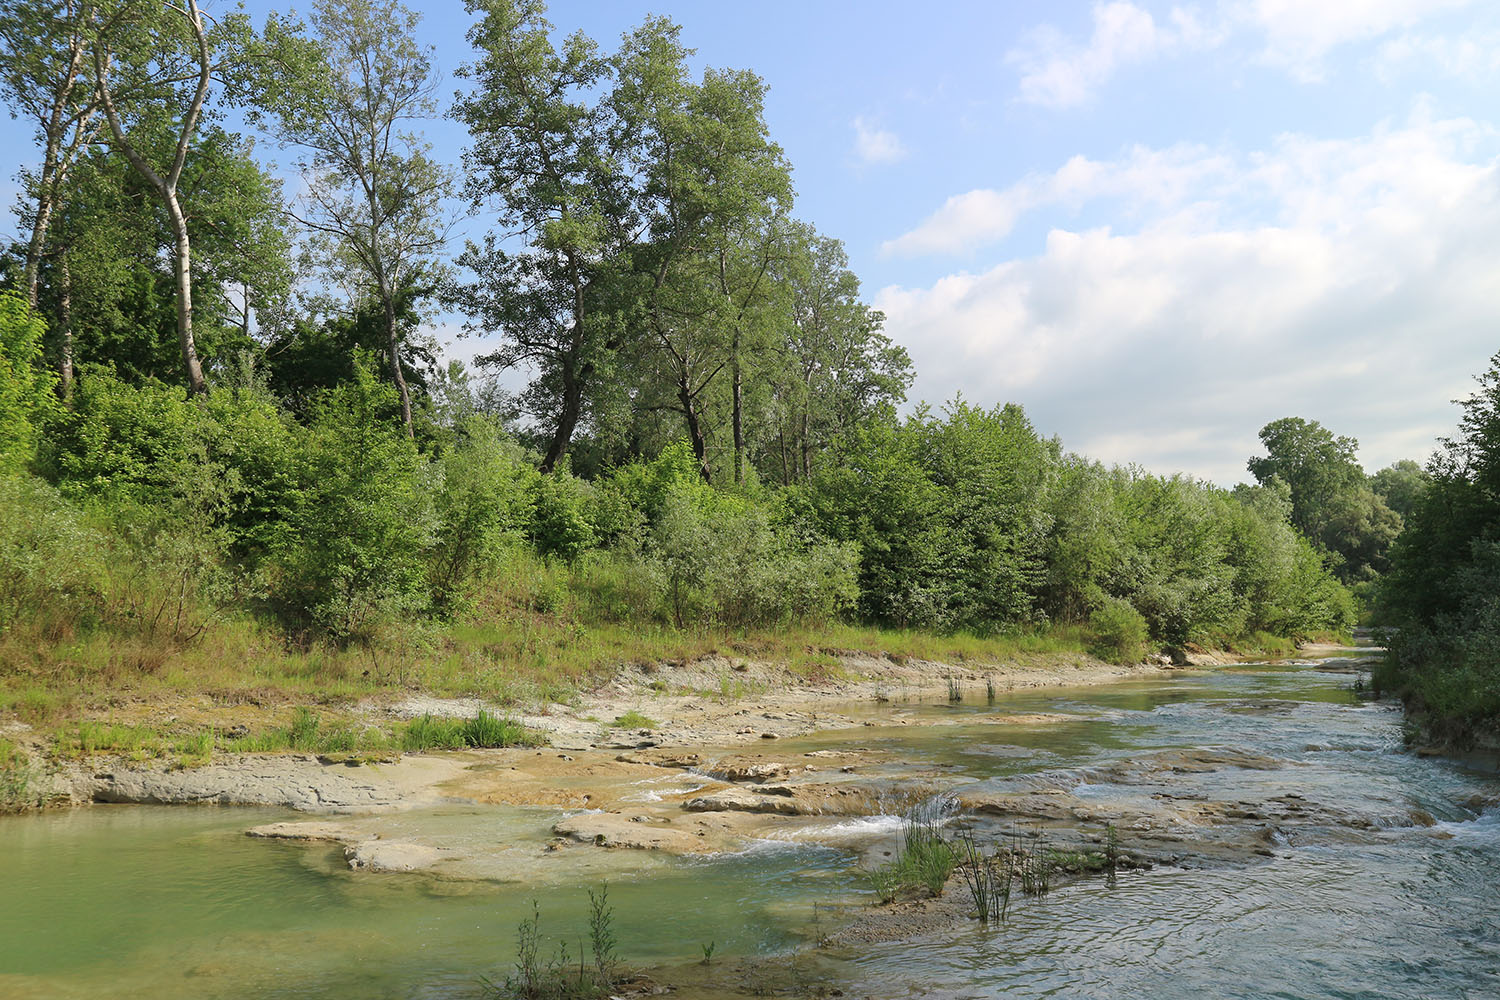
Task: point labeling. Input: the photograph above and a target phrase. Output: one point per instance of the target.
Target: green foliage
(1400, 486)
(427, 732)
(1443, 591)
(1332, 504)
(1120, 631)
(926, 860)
(560, 526)
(366, 523)
(50, 567)
(722, 561)
(591, 977)
(19, 779)
(27, 398)
(635, 720)
(483, 493)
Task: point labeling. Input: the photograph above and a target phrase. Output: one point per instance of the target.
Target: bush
(482, 493)
(560, 525)
(1120, 631)
(357, 559)
(726, 565)
(50, 566)
(27, 399)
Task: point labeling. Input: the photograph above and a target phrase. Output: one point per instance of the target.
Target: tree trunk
(737, 420)
(393, 349)
(806, 450)
(567, 418)
(182, 272)
(40, 224)
(695, 429)
(65, 310)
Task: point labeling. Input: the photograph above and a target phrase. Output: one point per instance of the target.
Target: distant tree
(1315, 465)
(834, 367)
(1332, 504)
(1400, 485)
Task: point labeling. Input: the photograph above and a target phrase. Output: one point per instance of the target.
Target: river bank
(715, 702)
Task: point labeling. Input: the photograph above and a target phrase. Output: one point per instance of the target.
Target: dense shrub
(27, 399)
(1119, 630)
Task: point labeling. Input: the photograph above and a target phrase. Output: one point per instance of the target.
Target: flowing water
(175, 902)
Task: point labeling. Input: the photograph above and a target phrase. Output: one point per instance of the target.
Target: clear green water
(122, 901)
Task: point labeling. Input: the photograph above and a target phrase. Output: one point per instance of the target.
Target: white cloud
(1059, 73)
(1348, 281)
(1300, 34)
(1294, 35)
(968, 221)
(873, 144)
(1470, 57)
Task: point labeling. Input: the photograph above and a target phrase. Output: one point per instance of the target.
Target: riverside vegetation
(222, 479)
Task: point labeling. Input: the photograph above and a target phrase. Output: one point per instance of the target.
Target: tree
(107, 286)
(44, 74)
(374, 194)
(550, 156)
(835, 366)
(1445, 575)
(1400, 485)
(153, 68)
(1332, 504)
(716, 190)
(1317, 466)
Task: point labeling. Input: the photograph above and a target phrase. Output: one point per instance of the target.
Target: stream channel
(1296, 849)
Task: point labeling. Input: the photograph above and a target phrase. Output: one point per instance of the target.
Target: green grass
(483, 731)
(18, 784)
(926, 860)
(635, 720)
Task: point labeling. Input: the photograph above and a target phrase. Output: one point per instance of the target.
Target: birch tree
(45, 77)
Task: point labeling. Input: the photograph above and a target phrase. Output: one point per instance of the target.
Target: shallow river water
(175, 902)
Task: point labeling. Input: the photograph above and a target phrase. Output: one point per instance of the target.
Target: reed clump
(592, 976)
(988, 877)
(926, 861)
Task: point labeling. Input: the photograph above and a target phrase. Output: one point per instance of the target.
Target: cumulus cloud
(873, 144)
(1348, 281)
(981, 217)
(1470, 57)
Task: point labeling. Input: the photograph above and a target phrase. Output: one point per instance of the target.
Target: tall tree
(374, 195)
(717, 189)
(836, 365)
(550, 157)
(1332, 502)
(45, 71)
(153, 67)
(107, 283)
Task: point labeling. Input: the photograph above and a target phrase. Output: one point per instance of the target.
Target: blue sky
(1155, 226)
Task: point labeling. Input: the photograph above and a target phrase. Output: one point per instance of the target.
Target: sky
(1157, 227)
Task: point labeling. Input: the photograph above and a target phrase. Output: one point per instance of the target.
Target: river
(1397, 899)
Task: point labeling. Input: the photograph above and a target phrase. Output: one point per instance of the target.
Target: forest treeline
(218, 403)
